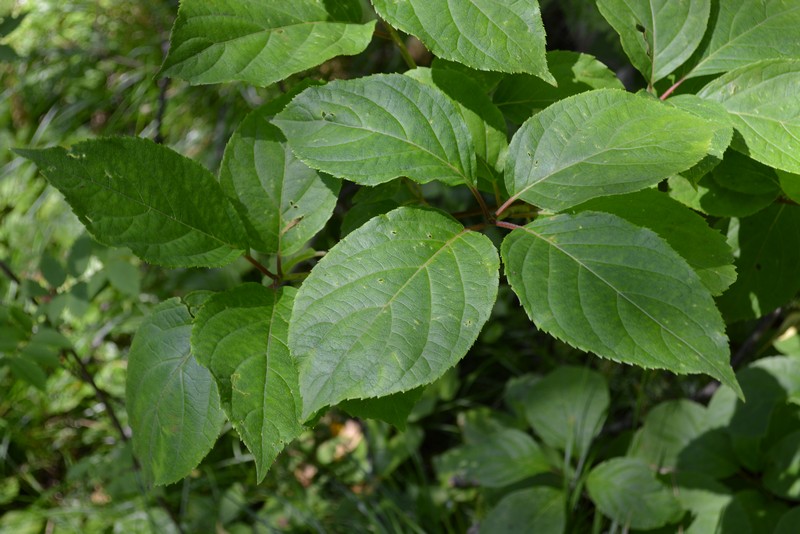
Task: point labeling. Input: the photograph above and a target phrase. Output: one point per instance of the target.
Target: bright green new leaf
(627, 491)
(519, 96)
(131, 192)
(482, 34)
(374, 129)
(391, 307)
(764, 102)
(657, 35)
(539, 509)
(606, 286)
(765, 250)
(602, 142)
(567, 408)
(686, 232)
(259, 42)
(282, 202)
(501, 458)
(241, 337)
(745, 31)
(172, 401)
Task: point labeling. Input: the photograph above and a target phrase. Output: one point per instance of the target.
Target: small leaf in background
(124, 276)
(393, 409)
(172, 401)
(790, 184)
(52, 270)
(567, 408)
(627, 491)
(788, 522)
(686, 232)
(603, 285)
(742, 33)
(134, 193)
(370, 202)
(482, 34)
(537, 509)
(377, 128)
(736, 187)
(391, 307)
(501, 458)
(710, 503)
(27, 370)
(720, 120)
(764, 250)
(519, 96)
(602, 142)
(764, 102)
(762, 512)
(79, 256)
(657, 35)
(782, 475)
(240, 335)
(282, 202)
(260, 43)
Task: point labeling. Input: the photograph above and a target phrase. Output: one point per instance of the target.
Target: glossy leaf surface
(391, 307)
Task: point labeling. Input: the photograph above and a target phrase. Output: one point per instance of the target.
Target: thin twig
(402, 46)
(261, 268)
(507, 225)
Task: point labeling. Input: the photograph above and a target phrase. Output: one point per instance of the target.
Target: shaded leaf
(393, 409)
(241, 337)
(260, 43)
(604, 285)
(782, 475)
(538, 509)
(134, 193)
(657, 35)
(482, 34)
(720, 120)
(598, 143)
(172, 401)
(374, 129)
(391, 307)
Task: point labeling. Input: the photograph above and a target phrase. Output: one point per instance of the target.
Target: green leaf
(789, 521)
(686, 232)
(602, 142)
(519, 96)
(282, 202)
(764, 102)
(711, 195)
(124, 276)
(241, 336)
(745, 32)
(391, 307)
(172, 401)
(626, 490)
(567, 408)
(52, 270)
(485, 122)
(657, 35)
(503, 457)
(27, 370)
(374, 129)
(606, 286)
(764, 245)
(393, 409)
(482, 34)
(720, 120)
(257, 42)
(782, 476)
(790, 184)
(710, 503)
(538, 509)
(118, 188)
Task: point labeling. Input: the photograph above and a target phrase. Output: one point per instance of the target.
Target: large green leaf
(766, 249)
(657, 35)
(601, 142)
(482, 34)
(538, 509)
(259, 42)
(172, 401)
(743, 32)
(720, 120)
(241, 336)
(567, 408)
(626, 490)
(282, 201)
(519, 96)
(686, 232)
(764, 102)
(391, 307)
(604, 285)
(374, 129)
(131, 192)
(501, 458)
